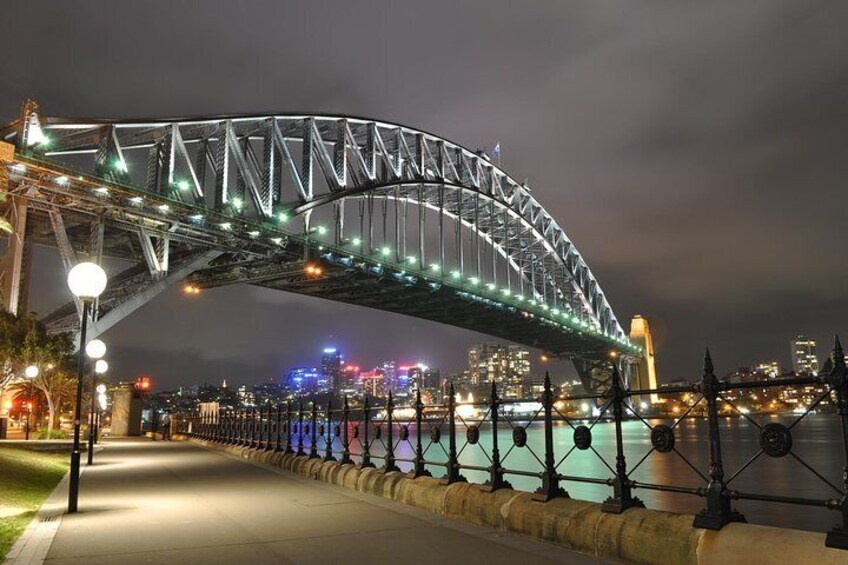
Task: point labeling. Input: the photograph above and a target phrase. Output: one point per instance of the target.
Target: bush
(52, 434)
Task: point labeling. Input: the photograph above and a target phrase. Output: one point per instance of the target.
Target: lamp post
(86, 281)
(31, 373)
(100, 367)
(94, 349)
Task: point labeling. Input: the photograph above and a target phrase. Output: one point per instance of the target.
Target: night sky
(694, 152)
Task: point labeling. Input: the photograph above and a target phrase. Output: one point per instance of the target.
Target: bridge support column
(15, 265)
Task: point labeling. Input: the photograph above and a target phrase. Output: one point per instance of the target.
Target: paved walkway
(172, 502)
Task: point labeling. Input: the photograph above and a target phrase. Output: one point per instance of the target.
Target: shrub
(52, 434)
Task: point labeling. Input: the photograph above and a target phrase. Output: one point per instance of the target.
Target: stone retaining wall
(637, 536)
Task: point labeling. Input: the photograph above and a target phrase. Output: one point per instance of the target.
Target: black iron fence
(425, 436)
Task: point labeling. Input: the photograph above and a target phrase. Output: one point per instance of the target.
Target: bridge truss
(343, 208)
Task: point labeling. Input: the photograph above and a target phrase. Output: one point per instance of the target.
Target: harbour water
(816, 441)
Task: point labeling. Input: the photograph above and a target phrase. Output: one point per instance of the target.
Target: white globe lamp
(101, 367)
(95, 349)
(87, 280)
(31, 372)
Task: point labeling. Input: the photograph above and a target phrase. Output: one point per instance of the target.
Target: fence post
(264, 426)
(230, 422)
(622, 497)
(550, 481)
(453, 475)
(838, 379)
(218, 428)
(718, 512)
(243, 426)
(496, 475)
(269, 445)
(254, 427)
(300, 451)
(278, 429)
(366, 445)
(288, 428)
(419, 470)
(237, 426)
(313, 432)
(390, 448)
(345, 460)
(328, 451)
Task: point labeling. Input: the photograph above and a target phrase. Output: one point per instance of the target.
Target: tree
(24, 341)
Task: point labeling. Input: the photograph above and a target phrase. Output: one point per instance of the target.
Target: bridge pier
(16, 262)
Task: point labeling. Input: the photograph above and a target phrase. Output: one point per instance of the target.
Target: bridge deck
(171, 502)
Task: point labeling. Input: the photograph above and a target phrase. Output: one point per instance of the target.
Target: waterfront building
(804, 357)
(644, 371)
(506, 365)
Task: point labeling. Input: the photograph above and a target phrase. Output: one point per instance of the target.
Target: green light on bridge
(120, 165)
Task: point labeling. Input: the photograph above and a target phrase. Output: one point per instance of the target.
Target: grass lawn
(26, 479)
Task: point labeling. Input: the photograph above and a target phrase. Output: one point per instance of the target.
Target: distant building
(331, 367)
(349, 380)
(644, 372)
(804, 357)
(303, 380)
(428, 379)
(373, 382)
(505, 365)
(770, 369)
(391, 373)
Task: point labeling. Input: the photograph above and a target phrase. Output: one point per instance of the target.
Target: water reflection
(817, 441)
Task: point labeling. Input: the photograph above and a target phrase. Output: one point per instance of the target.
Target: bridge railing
(470, 438)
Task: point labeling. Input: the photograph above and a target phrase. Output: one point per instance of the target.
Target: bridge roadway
(172, 502)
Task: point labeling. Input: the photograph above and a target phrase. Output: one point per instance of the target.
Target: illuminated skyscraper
(331, 367)
(644, 372)
(804, 358)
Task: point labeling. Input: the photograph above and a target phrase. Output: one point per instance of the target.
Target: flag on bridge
(496, 153)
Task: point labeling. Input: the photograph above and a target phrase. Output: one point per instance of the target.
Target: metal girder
(490, 235)
(15, 262)
(145, 295)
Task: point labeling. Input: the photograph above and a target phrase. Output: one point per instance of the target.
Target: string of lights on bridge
(348, 254)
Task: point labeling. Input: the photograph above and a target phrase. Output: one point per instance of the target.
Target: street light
(95, 349)
(30, 373)
(86, 281)
(97, 395)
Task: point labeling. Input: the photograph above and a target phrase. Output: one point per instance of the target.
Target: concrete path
(172, 502)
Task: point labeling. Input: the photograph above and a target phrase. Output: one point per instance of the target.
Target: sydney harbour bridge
(344, 208)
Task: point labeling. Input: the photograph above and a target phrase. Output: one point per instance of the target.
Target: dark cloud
(694, 152)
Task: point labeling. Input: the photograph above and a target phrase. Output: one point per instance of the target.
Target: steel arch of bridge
(247, 190)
